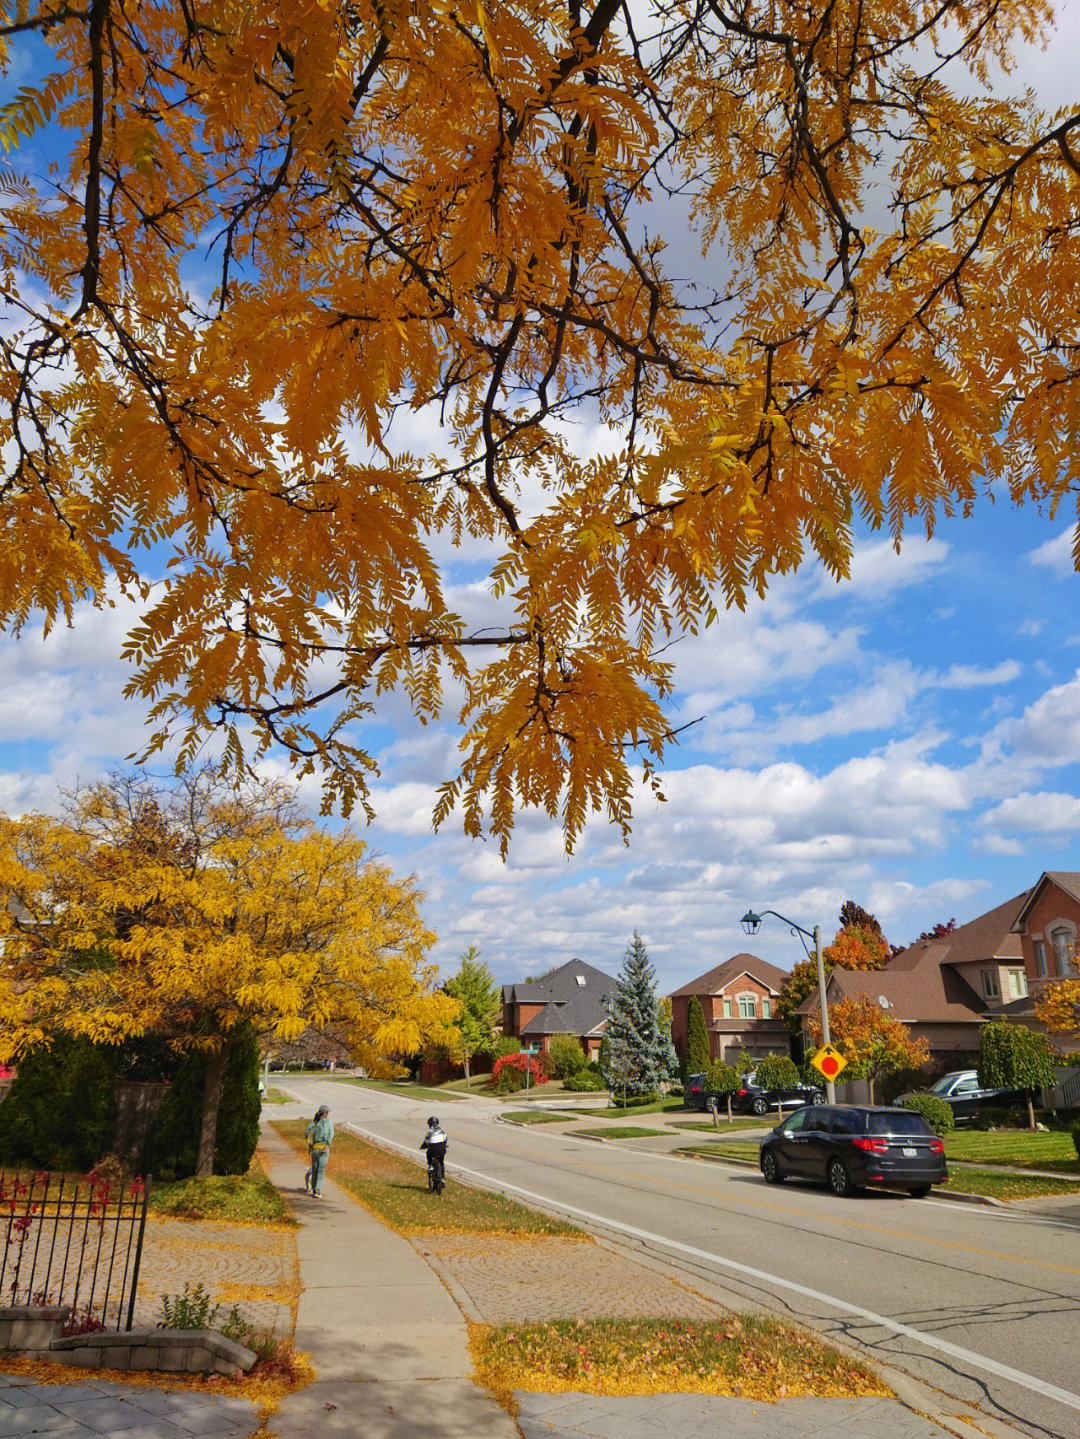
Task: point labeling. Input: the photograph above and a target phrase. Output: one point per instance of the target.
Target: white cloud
(1046, 812)
(877, 571)
(1056, 554)
(965, 677)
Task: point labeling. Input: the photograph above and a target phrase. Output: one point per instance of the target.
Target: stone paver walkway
(100, 1409)
(242, 1264)
(535, 1277)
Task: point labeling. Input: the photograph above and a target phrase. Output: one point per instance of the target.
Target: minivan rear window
(902, 1121)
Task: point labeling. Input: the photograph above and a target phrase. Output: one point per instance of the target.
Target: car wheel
(817, 1098)
(839, 1179)
(919, 1191)
(759, 1106)
(770, 1169)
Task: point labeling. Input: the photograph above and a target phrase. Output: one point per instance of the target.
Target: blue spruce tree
(640, 1054)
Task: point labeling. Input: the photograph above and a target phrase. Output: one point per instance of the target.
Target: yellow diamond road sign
(828, 1061)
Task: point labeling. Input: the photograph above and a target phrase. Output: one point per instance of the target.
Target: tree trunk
(216, 1060)
(1031, 1111)
(468, 1056)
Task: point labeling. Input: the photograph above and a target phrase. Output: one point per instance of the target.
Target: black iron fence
(75, 1241)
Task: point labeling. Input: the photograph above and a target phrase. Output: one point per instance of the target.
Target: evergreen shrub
(60, 1112)
(172, 1147)
(585, 1082)
(935, 1111)
(567, 1056)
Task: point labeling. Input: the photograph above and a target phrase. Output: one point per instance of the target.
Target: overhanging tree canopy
(199, 914)
(273, 230)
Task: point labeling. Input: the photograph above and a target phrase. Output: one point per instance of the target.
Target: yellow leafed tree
(272, 231)
(195, 913)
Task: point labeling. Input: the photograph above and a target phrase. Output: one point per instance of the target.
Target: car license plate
(910, 1152)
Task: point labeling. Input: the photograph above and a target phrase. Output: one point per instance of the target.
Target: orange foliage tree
(271, 231)
(872, 1041)
(859, 944)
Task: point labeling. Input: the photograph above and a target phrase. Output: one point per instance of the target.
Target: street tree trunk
(216, 1060)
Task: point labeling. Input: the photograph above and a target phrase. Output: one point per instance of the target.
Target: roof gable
(562, 984)
(990, 936)
(1067, 880)
(722, 975)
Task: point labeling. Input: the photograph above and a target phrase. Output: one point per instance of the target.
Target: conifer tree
(697, 1038)
(639, 1053)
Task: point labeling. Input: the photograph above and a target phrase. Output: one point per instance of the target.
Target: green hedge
(935, 1111)
(634, 1101)
(584, 1082)
(61, 1110)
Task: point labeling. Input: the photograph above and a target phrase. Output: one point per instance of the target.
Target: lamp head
(751, 922)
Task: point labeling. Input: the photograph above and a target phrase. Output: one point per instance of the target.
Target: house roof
(922, 994)
(573, 998)
(1065, 879)
(989, 936)
(719, 978)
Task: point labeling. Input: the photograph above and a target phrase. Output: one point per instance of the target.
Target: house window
(990, 983)
(766, 1009)
(747, 1006)
(1040, 959)
(1062, 940)
(1017, 983)
(727, 1006)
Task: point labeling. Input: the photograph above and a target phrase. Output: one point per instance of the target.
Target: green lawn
(400, 1086)
(537, 1116)
(1019, 1148)
(706, 1125)
(621, 1131)
(275, 1096)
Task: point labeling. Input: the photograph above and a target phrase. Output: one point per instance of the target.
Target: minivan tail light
(742, 1094)
(936, 1147)
(871, 1144)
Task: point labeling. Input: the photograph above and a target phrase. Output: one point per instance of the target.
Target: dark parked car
(849, 1146)
(750, 1098)
(964, 1095)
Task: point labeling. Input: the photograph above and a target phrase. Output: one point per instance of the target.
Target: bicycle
(436, 1175)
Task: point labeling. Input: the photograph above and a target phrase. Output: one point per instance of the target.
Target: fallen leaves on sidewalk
(744, 1356)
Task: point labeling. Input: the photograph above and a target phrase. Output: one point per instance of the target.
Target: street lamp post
(751, 923)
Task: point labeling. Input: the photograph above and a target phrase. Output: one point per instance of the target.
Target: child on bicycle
(435, 1143)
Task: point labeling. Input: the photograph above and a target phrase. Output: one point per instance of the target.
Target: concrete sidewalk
(389, 1343)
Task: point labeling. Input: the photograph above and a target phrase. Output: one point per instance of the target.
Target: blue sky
(909, 739)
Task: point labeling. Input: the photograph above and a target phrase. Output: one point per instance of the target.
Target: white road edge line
(931, 1341)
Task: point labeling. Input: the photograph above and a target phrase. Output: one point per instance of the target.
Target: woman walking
(319, 1135)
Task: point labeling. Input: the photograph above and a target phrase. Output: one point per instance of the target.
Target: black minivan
(849, 1146)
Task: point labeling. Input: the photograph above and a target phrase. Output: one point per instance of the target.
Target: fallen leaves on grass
(395, 1189)
(745, 1356)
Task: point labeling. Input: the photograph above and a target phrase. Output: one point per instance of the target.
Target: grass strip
(234, 1198)
(996, 1184)
(746, 1356)
(395, 1086)
(396, 1190)
(726, 1127)
(1021, 1149)
(537, 1116)
(275, 1096)
(621, 1131)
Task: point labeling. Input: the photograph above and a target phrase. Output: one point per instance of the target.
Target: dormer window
(579, 979)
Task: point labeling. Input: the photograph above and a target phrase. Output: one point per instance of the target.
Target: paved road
(984, 1304)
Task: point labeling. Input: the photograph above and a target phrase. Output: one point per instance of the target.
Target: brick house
(569, 1000)
(739, 1000)
(947, 987)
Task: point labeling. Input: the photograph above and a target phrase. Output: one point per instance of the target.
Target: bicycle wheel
(432, 1181)
(440, 1178)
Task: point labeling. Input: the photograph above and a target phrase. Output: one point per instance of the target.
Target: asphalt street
(981, 1303)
